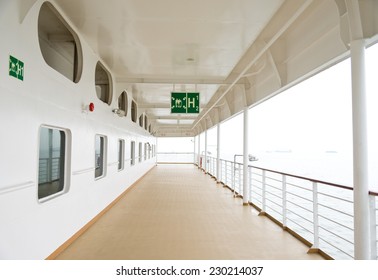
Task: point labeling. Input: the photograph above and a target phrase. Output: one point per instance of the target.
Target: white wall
(31, 229)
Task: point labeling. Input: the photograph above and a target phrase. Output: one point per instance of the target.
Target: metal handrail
(263, 188)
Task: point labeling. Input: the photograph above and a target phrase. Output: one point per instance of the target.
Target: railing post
(225, 173)
(233, 176)
(239, 179)
(205, 158)
(315, 246)
(263, 192)
(250, 183)
(194, 150)
(245, 190)
(373, 228)
(218, 152)
(199, 151)
(284, 205)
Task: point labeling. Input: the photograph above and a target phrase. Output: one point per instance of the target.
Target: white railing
(48, 170)
(320, 213)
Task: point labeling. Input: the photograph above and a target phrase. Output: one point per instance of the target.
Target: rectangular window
(100, 156)
(132, 160)
(140, 152)
(121, 154)
(145, 150)
(52, 159)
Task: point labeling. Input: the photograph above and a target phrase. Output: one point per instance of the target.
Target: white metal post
(233, 166)
(263, 192)
(373, 228)
(225, 171)
(218, 153)
(284, 204)
(194, 150)
(315, 215)
(239, 181)
(245, 157)
(250, 183)
(360, 153)
(199, 151)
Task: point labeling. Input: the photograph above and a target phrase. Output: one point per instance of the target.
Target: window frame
(134, 111)
(121, 154)
(140, 151)
(123, 103)
(77, 65)
(65, 173)
(132, 153)
(109, 94)
(104, 156)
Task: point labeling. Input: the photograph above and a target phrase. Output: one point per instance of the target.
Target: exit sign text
(184, 102)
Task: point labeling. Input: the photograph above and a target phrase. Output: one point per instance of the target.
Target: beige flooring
(178, 212)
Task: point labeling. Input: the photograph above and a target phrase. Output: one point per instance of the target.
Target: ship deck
(178, 212)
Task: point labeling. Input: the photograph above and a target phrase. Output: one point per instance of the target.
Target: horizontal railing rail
(48, 169)
(320, 212)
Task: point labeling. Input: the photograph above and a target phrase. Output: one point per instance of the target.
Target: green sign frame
(185, 103)
(16, 68)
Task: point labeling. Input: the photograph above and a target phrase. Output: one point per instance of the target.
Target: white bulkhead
(33, 227)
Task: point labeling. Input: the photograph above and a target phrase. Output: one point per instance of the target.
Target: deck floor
(178, 212)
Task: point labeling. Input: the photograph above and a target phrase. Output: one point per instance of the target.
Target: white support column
(194, 150)
(218, 153)
(245, 157)
(360, 153)
(199, 151)
(373, 228)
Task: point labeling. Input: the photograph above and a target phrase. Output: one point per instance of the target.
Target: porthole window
(134, 111)
(122, 102)
(52, 167)
(100, 156)
(60, 46)
(121, 154)
(145, 122)
(103, 84)
(141, 121)
(132, 152)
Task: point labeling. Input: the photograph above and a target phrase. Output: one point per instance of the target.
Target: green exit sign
(184, 102)
(16, 68)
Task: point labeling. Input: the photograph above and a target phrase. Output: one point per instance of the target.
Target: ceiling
(234, 53)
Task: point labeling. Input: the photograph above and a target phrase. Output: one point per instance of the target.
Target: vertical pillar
(373, 228)
(284, 202)
(199, 151)
(360, 153)
(245, 157)
(315, 211)
(218, 153)
(194, 150)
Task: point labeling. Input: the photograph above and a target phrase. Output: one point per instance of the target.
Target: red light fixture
(91, 107)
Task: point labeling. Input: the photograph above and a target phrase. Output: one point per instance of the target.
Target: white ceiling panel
(155, 47)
